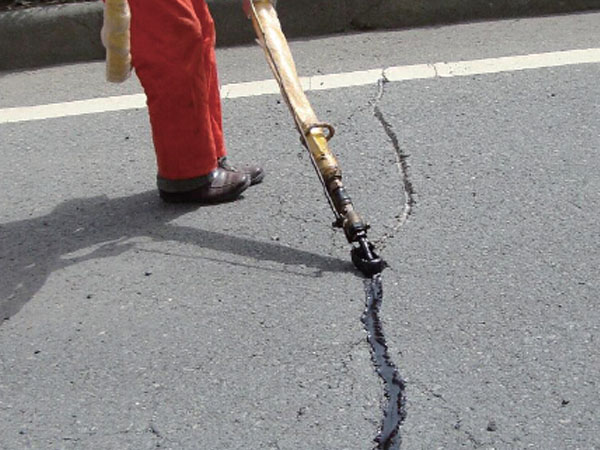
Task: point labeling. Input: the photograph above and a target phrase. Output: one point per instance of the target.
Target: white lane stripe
(76, 108)
(514, 63)
(320, 82)
(348, 79)
(250, 89)
(416, 72)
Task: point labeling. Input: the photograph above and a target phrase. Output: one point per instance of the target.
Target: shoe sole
(180, 197)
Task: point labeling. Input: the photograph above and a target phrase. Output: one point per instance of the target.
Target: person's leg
(255, 173)
(171, 53)
(212, 88)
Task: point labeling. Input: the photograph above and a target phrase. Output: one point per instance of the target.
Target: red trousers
(173, 53)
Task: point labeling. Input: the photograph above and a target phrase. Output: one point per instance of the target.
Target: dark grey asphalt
(136, 324)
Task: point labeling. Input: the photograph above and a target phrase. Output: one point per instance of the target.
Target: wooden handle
(115, 36)
(271, 38)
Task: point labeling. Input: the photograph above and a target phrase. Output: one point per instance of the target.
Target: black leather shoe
(255, 173)
(222, 186)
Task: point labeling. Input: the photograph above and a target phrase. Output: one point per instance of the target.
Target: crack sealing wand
(314, 133)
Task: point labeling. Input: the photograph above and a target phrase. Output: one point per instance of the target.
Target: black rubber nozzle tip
(366, 260)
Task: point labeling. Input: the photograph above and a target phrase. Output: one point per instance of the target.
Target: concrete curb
(68, 33)
(37, 37)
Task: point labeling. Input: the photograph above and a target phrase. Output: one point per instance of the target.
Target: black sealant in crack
(394, 386)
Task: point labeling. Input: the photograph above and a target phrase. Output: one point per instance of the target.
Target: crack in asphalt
(157, 434)
(445, 405)
(389, 437)
(394, 386)
(402, 163)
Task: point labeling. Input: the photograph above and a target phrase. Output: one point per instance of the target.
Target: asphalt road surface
(132, 324)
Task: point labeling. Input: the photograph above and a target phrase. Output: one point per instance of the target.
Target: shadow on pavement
(34, 248)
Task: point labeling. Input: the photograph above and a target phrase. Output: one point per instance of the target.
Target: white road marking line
(320, 82)
(76, 108)
(250, 89)
(416, 72)
(514, 63)
(342, 80)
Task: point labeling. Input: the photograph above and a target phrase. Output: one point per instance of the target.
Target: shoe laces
(224, 164)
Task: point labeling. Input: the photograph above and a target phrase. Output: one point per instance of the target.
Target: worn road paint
(394, 386)
(321, 82)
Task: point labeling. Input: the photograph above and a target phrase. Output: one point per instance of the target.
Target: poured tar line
(320, 82)
(394, 411)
